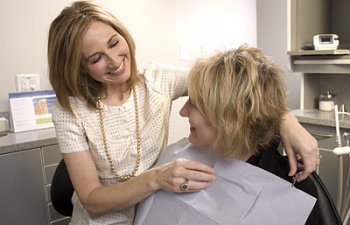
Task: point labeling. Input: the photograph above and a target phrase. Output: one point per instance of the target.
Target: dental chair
(62, 190)
(328, 212)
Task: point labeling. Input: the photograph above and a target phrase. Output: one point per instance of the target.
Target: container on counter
(326, 101)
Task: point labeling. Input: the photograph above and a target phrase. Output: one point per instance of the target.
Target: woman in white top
(112, 124)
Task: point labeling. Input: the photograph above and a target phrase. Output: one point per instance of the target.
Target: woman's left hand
(300, 147)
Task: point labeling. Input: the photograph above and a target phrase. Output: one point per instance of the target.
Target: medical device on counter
(326, 41)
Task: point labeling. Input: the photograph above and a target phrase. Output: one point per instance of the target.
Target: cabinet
(25, 187)
(50, 157)
(329, 167)
(311, 17)
(321, 71)
(21, 190)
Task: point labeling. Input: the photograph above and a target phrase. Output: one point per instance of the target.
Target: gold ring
(184, 185)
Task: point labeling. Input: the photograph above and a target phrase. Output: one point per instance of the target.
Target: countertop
(14, 142)
(317, 117)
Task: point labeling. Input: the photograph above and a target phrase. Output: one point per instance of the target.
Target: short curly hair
(242, 94)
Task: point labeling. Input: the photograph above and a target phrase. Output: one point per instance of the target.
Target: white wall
(272, 38)
(159, 27)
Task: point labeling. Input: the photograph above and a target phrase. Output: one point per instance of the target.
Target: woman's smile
(107, 55)
(119, 70)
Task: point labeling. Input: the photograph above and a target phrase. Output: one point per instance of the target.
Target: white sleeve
(70, 132)
(167, 79)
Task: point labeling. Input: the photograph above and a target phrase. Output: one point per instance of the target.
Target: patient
(236, 102)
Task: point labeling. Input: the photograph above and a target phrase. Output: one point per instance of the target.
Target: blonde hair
(242, 94)
(65, 52)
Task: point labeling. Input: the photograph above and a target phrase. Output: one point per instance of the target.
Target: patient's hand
(171, 176)
(297, 141)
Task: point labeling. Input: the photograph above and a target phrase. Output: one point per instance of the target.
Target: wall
(159, 27)
(272, 38)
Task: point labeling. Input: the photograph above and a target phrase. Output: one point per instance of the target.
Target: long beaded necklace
(138, 141)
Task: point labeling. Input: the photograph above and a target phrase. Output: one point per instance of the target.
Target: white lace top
(82, 132)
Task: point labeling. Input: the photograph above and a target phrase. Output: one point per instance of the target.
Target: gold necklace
(138, 141)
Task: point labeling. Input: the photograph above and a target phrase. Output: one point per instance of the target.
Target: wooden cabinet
(25, 187)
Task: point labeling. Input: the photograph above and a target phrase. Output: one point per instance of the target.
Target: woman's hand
(173, 175)
(300, 146)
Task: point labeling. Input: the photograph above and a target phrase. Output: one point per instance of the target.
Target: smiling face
(106, 55)
(202, 133)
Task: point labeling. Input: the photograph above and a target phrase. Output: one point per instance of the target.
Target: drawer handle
(322, 135)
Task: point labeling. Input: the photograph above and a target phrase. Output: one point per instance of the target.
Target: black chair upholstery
(328, 212)
(62, 190)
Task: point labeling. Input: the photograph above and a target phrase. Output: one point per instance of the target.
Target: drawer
(48, 193)
(328, 171)
(51, 155)
(53, 214)
(329, 165)
(325, 135)
(64, 221)
(49, 172)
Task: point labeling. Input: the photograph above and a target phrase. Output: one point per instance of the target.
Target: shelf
(323, 61)
(328, 17)
(309, 67)
(320, 64)
(336, 52)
